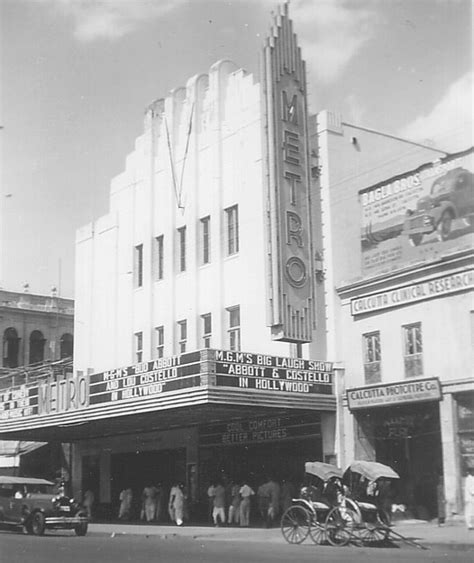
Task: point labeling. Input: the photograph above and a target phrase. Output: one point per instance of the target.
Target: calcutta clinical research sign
(395, 393)
(287, 184)
(435, 287)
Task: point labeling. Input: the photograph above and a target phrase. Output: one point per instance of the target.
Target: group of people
(231, 502)
(152, 503)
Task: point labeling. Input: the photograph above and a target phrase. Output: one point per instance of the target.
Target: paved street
(178, 548)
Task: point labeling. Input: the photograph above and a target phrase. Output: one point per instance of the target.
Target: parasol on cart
(323, 471)
(373, 470)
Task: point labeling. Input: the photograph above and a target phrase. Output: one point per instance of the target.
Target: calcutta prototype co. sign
(290, 285)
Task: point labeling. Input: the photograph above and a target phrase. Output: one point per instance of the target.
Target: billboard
(418, 216)
(287, 184)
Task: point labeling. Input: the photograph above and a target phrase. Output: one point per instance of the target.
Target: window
(206, 240)
(138, 265)
(372, 357)
(182, 336)
(206, 330)
(66, 346)
(160, 341)
(158, 257)
(11, 348)
(138, 347)
(234, 328)
(232, 215)
(413, 350)
(182, 249)
(37, 341)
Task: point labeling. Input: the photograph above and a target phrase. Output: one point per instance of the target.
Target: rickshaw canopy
(324, 471)
(373, 470)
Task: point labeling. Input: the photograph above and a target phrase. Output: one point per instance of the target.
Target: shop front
(399, 425)
(184, 419)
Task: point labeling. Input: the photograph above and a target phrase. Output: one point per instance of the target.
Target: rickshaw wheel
(340, 524)
(373, 534)
(295, 524)
(317, 533)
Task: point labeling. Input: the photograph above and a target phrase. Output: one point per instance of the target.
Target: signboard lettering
(419, 215)
(406, 392)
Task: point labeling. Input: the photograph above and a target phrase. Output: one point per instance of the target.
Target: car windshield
(41, 489)
(441, 186)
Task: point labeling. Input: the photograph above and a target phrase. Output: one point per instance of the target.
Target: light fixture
(318, 266)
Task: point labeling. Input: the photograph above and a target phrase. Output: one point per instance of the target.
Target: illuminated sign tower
(287, 183)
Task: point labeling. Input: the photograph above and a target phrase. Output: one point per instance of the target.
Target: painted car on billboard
(419, 215)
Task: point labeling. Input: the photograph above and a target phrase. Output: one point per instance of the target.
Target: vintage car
(451, 197)
(35, 505)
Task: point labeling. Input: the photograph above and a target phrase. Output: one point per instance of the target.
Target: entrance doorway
(136, 470)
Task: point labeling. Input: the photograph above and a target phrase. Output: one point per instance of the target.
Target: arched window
(11, 348)
(36, 347)
(66, 345)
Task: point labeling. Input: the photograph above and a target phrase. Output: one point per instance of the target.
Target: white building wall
(223, 168)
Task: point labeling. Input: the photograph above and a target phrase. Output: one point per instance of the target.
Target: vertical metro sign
(287, 182)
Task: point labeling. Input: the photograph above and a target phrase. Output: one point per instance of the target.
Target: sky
(76, 76)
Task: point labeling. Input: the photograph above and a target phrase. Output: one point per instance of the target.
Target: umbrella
(322, 470)
(373, 470)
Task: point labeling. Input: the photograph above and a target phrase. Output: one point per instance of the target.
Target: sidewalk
(451, 536)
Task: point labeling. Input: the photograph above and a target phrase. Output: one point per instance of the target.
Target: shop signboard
(420, 215)
(412, 293)
(256, 430)
(412, 391)
(122, 390)
(287, 181)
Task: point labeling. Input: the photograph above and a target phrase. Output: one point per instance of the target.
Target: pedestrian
(274, 496)
(263, 502)
(149, 503)
(125, 509)
(88, 502)
(288, 493)
(218, 510)
(234, 505)
(245, 492)
(176, 504)
(469, 499)
(210, 497)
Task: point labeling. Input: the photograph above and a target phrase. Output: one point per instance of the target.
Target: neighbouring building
(398, 254)
(37, 334)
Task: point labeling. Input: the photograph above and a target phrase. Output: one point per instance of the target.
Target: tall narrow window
(160, 341)
(182, 249)
(234, 327)
(138, 347)
(372, 357)
(11, 348)
(182, 336)
(158, 257)
(413, 350)
(37, 342)
(206, 330)
(66, 346)
(138, 265)
(232, 215)
(205, 240)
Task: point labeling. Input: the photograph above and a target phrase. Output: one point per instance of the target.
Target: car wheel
(415, 240)
(38, 524)
(81, 529)
(444, 225)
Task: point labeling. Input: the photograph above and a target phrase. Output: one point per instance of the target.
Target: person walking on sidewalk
(234, 507)
(218, 510)
(469, 499)
(245, 493)
(176, 504)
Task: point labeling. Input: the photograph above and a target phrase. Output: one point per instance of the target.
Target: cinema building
(398, 255)
(196, 299)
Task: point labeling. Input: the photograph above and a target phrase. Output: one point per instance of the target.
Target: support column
(76, 472)
(451, 469)
(104, 477)
(328, 432)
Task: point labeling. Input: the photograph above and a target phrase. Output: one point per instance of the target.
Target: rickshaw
(308, 514)
(357, 517)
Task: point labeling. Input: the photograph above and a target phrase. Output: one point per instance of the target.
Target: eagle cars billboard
(420, 215)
